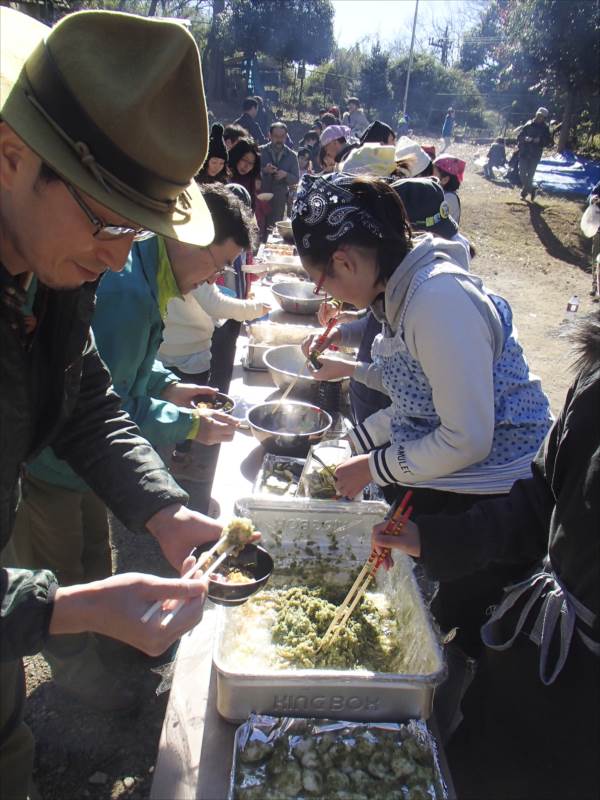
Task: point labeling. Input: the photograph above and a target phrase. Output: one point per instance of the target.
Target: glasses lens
(109, 232)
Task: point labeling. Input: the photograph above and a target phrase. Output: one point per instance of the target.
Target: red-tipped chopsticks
(396, 522)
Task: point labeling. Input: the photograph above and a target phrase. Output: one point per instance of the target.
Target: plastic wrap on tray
(285, 758)
(279, 476)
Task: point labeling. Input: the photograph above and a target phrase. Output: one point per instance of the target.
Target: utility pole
(410, 58)
(442, 44)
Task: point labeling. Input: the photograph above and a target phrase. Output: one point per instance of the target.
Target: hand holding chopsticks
(396, 522)
(234, 537)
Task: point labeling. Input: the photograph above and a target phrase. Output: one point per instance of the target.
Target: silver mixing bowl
(290, 429)
(298, 297)
(285, 362)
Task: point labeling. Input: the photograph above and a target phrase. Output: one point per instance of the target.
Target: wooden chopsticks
(396, 521)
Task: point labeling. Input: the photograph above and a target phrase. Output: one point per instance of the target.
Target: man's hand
(182, 394)
(280, 175)
(179, 530)
(352, 476)
(408, 540)
(216, 427)
(114, 607)
(270, 168)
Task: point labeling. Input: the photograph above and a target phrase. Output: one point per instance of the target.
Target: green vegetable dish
(295, 759)
(288, 625)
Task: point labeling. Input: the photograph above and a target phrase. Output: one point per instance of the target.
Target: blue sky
(389, 19)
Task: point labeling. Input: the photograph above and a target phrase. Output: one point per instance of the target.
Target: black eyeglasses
(103, 231)
(227, 267)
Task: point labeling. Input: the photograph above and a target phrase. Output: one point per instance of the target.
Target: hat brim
(194, 227)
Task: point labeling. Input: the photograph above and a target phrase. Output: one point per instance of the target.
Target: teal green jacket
(128, 329)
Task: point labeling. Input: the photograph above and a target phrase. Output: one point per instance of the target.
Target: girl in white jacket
(466, 417)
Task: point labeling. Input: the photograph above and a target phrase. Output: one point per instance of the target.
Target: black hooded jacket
(554, 513)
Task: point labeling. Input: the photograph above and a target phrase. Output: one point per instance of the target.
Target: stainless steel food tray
(334, 539)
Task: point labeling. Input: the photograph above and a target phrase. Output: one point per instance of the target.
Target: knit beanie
(216, 145)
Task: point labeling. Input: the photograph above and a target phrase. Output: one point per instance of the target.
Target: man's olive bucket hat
(114, 103)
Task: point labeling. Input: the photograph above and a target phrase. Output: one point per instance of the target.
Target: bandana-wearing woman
(466, 416)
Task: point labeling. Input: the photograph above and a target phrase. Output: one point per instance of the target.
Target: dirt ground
(535, 256)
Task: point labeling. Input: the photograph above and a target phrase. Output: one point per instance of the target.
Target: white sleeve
(370, 374)
(220, 306)
(448, 336)
(372, 433)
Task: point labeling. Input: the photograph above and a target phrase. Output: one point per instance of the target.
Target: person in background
(214, 169)
(232, 133)
(355, 117)
(279, 171)
(81, 181)
(533, 706)
(594, 199)
(333, 142)
(411, 160)
(335, 111)
(403, 123)
(304, 165)
(448, 129)
(311, 141)
(248, 120)
(370, 158)
(450, 171)
(244, 167)
(318, 125)
(263, 117)
(329, 119)
(61, 523)
(466, 415)
(512, 176)
(378, 132)
(533, 137)
(496, 157)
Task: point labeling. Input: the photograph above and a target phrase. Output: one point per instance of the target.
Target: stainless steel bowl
(289, 428)
(284, 228)
(298, 297)
(285, 363)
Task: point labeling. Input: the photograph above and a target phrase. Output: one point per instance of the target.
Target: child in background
(496, 157)
(450, 171)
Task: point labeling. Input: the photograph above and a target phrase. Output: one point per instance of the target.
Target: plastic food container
(330, 540)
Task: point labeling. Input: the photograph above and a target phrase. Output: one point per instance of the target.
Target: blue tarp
(566, 173)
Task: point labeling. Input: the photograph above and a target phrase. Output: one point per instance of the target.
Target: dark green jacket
(55, 390)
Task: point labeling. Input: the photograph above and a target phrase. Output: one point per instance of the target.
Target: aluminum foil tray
(260, 733)
(327, 543)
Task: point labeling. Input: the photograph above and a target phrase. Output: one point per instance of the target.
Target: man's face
(252, 112)
(278, 136)
(194, 265)
(539, 118)
(44, 230)
(352, 107)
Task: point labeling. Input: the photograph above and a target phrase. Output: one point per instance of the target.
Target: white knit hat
(411, 152)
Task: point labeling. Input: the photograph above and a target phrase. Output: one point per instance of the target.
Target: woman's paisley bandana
(326, 207)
